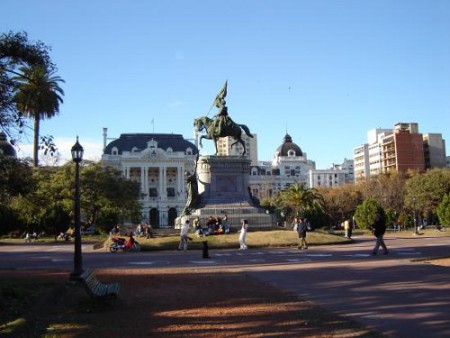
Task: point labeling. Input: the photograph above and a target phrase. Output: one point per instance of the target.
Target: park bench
(97, 289)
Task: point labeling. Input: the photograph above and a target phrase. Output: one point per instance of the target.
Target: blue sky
(324, 71)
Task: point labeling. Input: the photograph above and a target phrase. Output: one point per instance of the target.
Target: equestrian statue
(221, 125)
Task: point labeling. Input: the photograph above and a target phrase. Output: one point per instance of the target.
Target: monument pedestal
(224, 189)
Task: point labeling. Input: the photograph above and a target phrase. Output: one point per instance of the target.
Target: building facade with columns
(159, 162)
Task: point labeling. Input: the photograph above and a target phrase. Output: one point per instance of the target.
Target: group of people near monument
(212, 226)
(185, 227)
(142, 230)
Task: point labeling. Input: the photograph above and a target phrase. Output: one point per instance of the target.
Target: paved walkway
(394, 294)
(399, 294)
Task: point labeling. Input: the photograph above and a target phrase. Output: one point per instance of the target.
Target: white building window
(114, 151)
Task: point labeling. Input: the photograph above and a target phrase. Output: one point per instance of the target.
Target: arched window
(134, 150)
(114, 151)
(291, 153)
(154, 217)
(172, 216)
(189, 151)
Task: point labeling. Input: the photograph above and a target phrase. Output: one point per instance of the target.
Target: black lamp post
(77, 157)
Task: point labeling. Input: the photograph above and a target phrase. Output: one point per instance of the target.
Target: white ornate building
(289, 165)
(158, 162)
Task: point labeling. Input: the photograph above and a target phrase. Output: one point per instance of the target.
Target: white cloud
(93, 150)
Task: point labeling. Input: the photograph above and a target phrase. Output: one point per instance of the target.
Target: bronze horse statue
(231, 129)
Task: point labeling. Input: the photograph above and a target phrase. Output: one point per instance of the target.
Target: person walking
(184, 238)
(243, 235)
(301, 230)
(347, 228)
(379, 228)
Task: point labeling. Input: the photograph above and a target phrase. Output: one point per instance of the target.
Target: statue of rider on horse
(222, 125)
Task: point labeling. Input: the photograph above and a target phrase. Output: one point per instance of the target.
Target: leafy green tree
(38, 97)
(425, 191)
(365, 213)
(443, 210)
(105, 192)
(17, 51)
(105, 195)
(301, 199)
(15, 178)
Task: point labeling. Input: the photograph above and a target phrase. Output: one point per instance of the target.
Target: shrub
(365, 213)
(443, 210)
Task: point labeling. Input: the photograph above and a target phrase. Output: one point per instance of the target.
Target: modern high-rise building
(434, 150)
(361, 165)
(251, 146)
(398, 150)
(403, 149)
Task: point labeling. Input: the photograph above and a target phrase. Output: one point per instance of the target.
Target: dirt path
(176, 303)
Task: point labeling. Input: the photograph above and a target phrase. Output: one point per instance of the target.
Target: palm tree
(38, 97)
(301, 198)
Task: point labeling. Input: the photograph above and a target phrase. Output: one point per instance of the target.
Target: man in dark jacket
(379, 228)
(301, 229)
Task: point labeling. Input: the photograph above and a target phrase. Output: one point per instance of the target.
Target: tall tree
(38, 96)
(425, 191)
(16, 51)
(341, 202)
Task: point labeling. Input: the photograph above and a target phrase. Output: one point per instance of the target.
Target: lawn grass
(255, 239)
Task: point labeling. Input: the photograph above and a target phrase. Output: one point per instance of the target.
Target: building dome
(288, 148)
(6, 148)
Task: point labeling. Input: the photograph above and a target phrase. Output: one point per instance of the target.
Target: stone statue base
(224, 189)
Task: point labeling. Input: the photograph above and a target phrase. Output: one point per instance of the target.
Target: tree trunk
(36, 141)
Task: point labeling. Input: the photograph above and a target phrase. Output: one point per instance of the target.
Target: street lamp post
(77, 157)
(415, 217)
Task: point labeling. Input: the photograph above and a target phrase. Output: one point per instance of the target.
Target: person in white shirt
(184, 238)
(243, 234)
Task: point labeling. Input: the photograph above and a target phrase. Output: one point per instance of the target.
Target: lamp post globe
(77, 152)
(77, 156)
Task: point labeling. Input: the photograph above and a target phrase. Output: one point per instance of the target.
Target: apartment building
(397, 150)
(251, 146)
